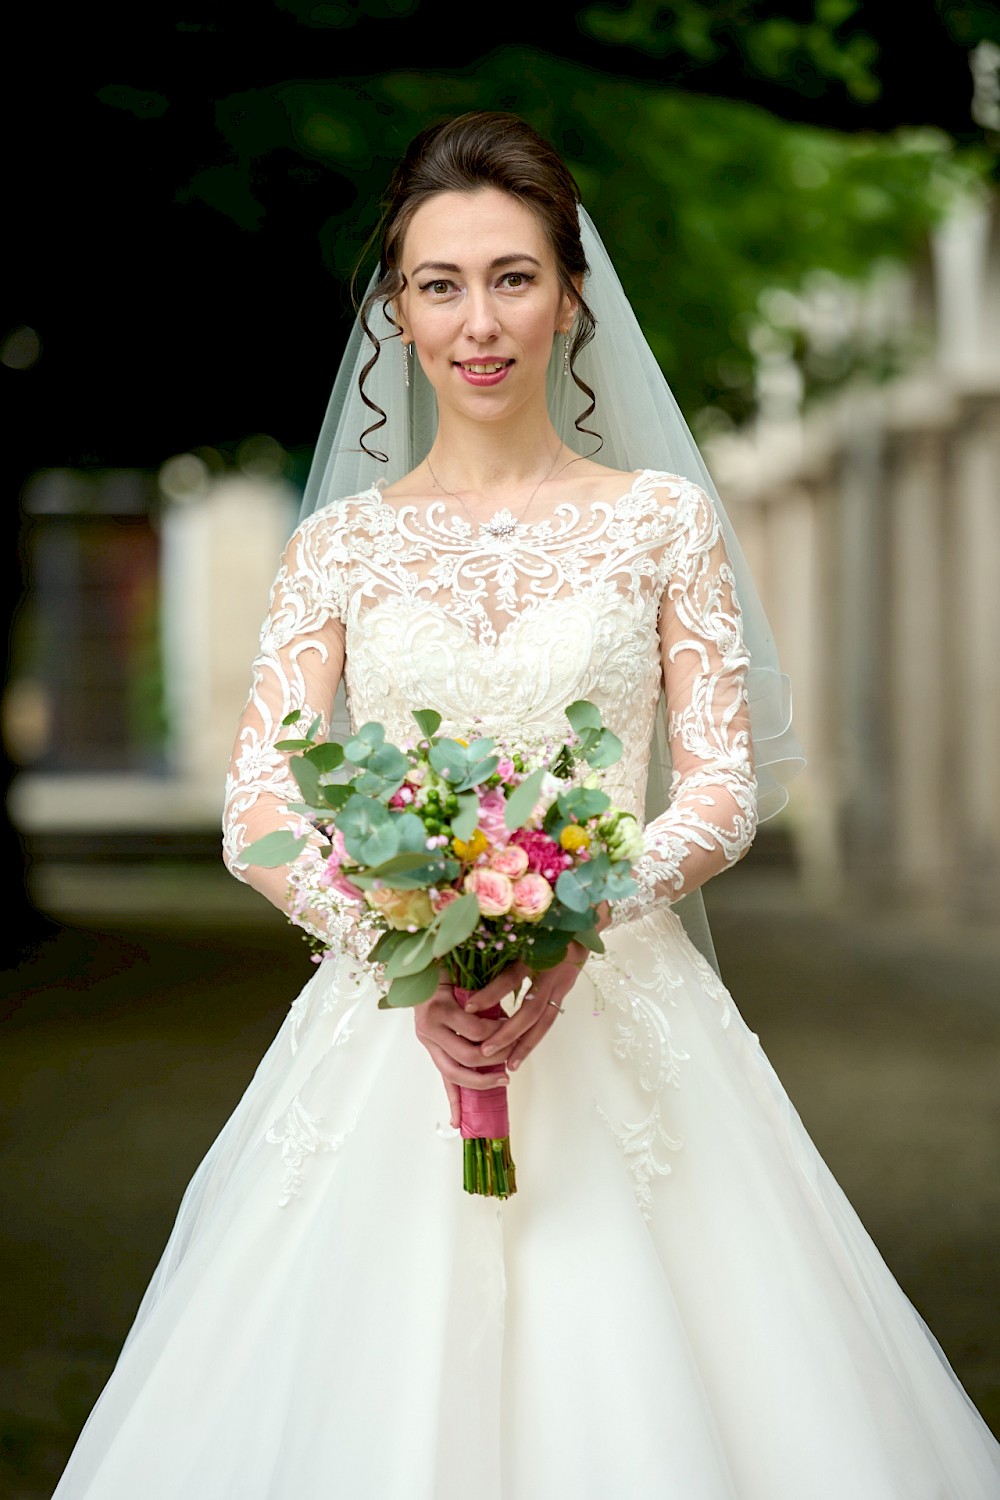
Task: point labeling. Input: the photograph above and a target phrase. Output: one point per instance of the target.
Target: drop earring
(406, 364)
(565, 353)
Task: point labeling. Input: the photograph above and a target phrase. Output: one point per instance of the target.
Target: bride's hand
(453, 1037)
(520, 1034)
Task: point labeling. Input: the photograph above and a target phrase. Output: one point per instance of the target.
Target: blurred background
(802, 202)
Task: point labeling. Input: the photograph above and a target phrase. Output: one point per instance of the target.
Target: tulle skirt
(679, 1300)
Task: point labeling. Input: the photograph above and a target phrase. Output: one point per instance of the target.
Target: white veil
(641, 427)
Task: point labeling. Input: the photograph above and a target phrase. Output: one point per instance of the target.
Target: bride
(678, 1300)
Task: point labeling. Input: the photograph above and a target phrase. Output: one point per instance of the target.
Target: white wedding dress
(679, 1301)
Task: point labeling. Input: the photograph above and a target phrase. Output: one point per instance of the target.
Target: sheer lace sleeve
(712, 817)
(299, 666)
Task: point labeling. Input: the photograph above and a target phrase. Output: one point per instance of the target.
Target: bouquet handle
(485, 1126)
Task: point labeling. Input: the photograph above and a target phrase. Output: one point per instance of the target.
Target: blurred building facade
(873, 527)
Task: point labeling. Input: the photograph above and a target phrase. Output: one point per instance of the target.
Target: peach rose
(510, 861)
(401, 909)
(532, 898)
(493, 891)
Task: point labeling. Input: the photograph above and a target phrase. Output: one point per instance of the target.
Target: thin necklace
(504, 523)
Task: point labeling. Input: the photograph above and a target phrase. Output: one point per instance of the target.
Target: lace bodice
(420, 607)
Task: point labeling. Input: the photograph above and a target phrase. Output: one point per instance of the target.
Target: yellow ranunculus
(574, 837)
(477, 845)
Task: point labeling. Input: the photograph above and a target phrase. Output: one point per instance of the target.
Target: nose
(481, 321)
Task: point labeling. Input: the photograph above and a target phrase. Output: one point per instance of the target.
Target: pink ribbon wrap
(484, 1113)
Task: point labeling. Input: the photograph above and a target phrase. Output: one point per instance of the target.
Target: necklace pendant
(503, 524)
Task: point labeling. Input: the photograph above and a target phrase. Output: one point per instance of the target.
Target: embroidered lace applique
(611, 601)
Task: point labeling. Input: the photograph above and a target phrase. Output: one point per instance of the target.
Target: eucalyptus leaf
(293, 717)
(311, 731)
(463, 826)
(590, 938)
(606, 750)
(547, 949)
(582, 803)
(326, 757)
(412, 956)
(456, 923)
(278, 848)
(336, 796)
(411, 833)
(289, 745)
(413, 989)
(368, 832)
(521, 802)
(386, 945)
(428, 721)
(583, 715)
(307, 776)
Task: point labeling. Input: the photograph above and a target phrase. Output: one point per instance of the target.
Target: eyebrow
(494, 265)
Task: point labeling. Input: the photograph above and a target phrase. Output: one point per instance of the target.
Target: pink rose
(492, 806)
(505, 768)
(532, 898)
(441, 899)
(402, 797)
(493, 891)
(511, 861)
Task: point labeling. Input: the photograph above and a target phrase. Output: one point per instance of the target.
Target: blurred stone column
(973, 740)
(221, 547)
(863, 694)
(921, 791)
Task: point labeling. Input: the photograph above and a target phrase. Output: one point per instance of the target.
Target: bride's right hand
(454, 1038)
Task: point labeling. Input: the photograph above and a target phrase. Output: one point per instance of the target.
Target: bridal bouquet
(462, 855)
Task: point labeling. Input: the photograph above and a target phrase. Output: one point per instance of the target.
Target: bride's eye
(437, 288)
(515, 280)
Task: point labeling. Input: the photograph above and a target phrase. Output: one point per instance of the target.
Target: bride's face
(482, 301)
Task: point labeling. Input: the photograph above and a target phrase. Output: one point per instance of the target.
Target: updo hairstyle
(483, 149)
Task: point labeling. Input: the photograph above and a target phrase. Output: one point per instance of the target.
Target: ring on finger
(558, 1007)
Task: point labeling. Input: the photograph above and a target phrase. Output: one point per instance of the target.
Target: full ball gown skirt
(678, 1302)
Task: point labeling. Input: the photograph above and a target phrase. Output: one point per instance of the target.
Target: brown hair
(482, 149)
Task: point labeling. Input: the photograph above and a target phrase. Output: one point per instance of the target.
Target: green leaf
(336, 796)
(456, 923)
(547, 949)
(274, 849)
(386, 945)
(412, 956)
(293, 717)
(428, 720)
(560, 918)
(367, 826)
(605, 750)
(289, 745)
(311, 731)
(411, 833)
(413, 989)
(463, 826)
(582, 716)
(590, 938)
(450, 760)
(521, 803)
(307, 776)
(582, 803)
(326, 757)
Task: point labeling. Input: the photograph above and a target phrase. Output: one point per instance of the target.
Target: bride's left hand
(512, 1042)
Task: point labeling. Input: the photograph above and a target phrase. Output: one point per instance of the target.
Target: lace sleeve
(712, 817)
(298, 666)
